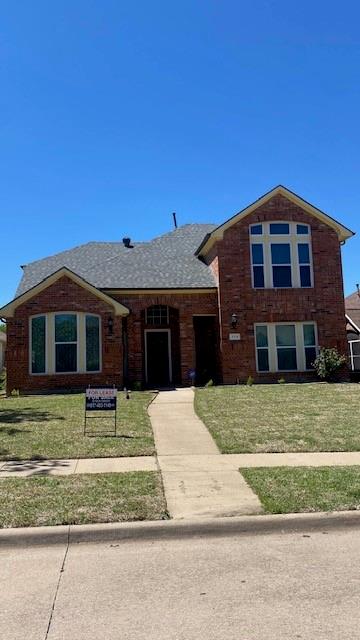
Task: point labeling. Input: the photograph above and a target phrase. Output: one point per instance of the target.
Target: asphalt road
(243, 587)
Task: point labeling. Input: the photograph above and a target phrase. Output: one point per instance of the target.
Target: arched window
(157, 314)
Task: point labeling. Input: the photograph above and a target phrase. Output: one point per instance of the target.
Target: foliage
(281, 381)
(305, 489)
(250, 381)
(52, 426)
(210, 383)
(3, 328)
(3, 380)
(281, 417)
(81, 499)
(328, 362)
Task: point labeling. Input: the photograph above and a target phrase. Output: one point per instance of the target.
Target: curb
(175, 529)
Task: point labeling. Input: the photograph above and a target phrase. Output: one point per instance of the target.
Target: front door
(205, 348)
(158, 362)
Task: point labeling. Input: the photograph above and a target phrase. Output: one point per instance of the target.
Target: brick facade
(230, 261)
(323, 304)
(64, 295)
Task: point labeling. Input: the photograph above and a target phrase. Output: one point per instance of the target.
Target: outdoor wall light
(110, 325)
(234, 320)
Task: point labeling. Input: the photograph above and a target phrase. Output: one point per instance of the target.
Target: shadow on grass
(35, 467)
(27, 414)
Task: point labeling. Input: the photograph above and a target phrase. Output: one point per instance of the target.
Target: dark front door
(157, 359)
(205, 328)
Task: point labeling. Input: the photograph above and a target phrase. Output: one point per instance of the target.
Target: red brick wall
(64, 295)
(230, 261)
(187, 304)
(323, 304)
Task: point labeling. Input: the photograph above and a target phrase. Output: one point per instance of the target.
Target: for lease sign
(100, 399)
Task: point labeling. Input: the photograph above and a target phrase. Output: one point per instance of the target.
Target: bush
(250, 381)
(136, 386)
(210, 383)
(281, 381)
(328, 362)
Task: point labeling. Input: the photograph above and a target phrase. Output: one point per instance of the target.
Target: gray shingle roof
(166, 262)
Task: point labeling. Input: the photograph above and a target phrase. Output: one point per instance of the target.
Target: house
(2, 349)
(256, 295)
(352, 309)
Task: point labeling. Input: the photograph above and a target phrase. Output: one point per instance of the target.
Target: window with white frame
(285, 346)
(65, 343)
(157, 314)
(281, 255)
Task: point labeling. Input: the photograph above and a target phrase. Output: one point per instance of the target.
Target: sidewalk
(195, 482)
(27, 468)
(177, 463)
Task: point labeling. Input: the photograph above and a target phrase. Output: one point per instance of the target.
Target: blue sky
(114, 114)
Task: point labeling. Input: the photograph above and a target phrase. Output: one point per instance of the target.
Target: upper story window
(157, 314)
(281, 255)
(65, 343)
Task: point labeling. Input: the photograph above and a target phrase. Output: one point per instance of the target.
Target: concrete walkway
(196, 484)
(26, 468)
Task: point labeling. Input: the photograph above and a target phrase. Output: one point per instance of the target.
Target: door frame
(168, 331)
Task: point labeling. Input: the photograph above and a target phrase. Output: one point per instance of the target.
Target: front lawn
(305, 489)
(279, 418)
(81, 499)
(52, 427)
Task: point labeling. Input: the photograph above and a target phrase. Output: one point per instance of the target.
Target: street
(243, 587)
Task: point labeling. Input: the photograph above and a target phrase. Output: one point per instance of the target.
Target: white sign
(234, 336)
(101, 393)
(100, 399)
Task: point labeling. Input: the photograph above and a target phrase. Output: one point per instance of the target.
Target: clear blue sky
(116, 113)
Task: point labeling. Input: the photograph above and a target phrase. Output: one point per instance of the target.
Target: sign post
(100, 399)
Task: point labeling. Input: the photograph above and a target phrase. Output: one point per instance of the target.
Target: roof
(217, 234)
(352, 308)
(148, 265)
(8, 310)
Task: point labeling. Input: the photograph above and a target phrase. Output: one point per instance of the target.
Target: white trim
(66, 313)
(350, 321)
(9, 309)
(343, 232)
(293, 239)
(352, 356)
(168, 331)
(272, 346)
(50, 344)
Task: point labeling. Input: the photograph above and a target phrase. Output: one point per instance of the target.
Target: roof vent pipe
(175, 221)
(127, 243)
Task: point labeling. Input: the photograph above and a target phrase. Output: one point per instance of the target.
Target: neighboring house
(352, 309)
(255, 296)
(2, 349)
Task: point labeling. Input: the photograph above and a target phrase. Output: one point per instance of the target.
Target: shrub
(210, 383)
(137, 386)
(281, 381)
(250, 381)
(327, 362)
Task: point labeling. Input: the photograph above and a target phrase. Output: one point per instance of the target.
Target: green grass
(36, 427)
(305, 489)
(278, 418)
(81, 499)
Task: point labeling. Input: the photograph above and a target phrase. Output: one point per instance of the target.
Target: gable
(8, 310)
(342, 232)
